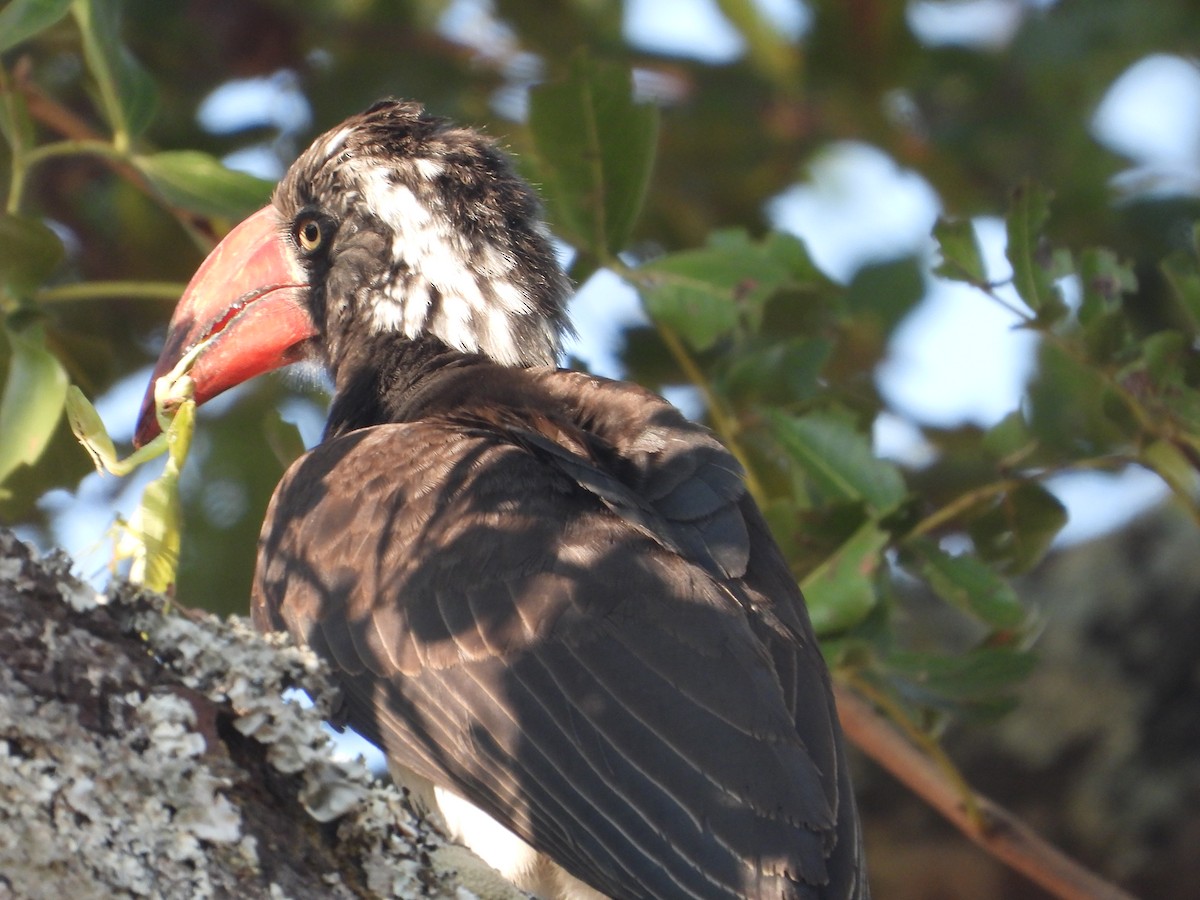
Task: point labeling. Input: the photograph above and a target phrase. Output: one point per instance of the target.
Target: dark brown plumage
(546, 592)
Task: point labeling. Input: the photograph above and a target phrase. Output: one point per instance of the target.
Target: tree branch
(1001, 834)
(73, 128)
(153, 754)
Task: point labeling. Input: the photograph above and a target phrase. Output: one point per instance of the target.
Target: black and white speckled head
(423, 228)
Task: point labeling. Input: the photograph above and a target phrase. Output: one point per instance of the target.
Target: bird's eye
(309, 234)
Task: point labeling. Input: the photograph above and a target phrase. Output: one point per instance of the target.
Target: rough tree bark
(151, 754)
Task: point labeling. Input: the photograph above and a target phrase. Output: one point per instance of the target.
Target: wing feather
(513, 625)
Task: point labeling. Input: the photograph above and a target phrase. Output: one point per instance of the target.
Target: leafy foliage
(32, 401)
(22, 19)
(108, 150)
(199, 183)
(711, 293)
(595, 149)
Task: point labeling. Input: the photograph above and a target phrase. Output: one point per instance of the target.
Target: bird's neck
(384, 380)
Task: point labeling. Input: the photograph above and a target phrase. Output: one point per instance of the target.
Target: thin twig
(999, 832)
(64, 121)
(107, 290)
(967, 500)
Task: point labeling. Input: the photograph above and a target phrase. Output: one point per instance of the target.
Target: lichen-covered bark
(151, 754)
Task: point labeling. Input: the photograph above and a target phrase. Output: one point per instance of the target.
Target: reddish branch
(1000, 833)
(64, 121)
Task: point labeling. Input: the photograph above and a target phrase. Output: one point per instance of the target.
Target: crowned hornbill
(544, 593)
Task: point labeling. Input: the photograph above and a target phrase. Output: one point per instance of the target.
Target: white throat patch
(462, 295)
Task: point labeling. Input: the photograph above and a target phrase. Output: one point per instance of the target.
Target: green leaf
(840, 592)
(199, 182)
(153, 534)
(1104, 279)
(968, 583)
(781, 371)
(876, 300)
(1172, 466)
(1073, 410)
(962, 260)
(128, 93)
(976, 675)
(780, 249)
(1162, 356)
(768, 50)
(1028, 212)
(839, 460)
(1010, 439)
(1183, 276)
(89, 429)
(595, 149)
(29, 253)
(1016, 531)
(15, 124)
(22, 19)
(704, 294)
(1182, 403)
(701, 311)
(90, 432)
(32, 402)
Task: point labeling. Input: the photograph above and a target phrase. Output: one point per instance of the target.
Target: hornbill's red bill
(545, 593)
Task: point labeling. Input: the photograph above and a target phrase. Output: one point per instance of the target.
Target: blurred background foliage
(116, 113)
